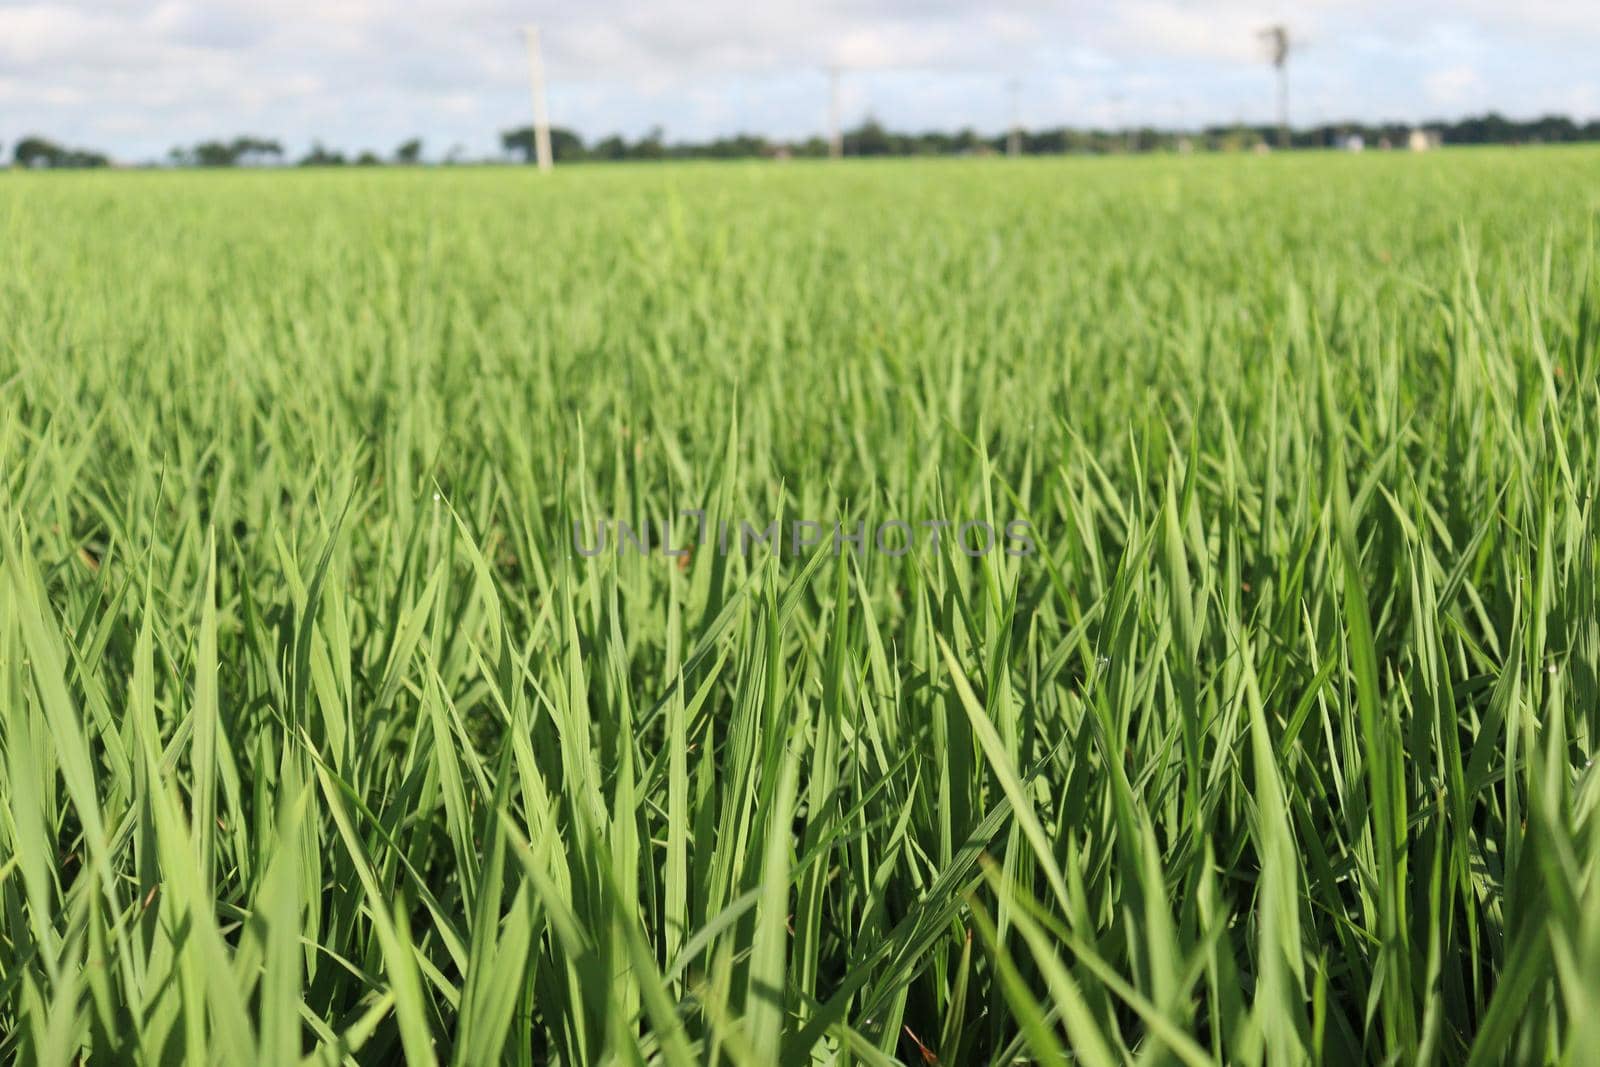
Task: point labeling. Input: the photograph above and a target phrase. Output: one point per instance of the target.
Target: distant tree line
(408, 153)
(36, 152)
(1481, 130)
(256, 151)
(870, 138)
(241, 151)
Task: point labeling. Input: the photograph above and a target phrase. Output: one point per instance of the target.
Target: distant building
(1422, 140)
(1354, 143)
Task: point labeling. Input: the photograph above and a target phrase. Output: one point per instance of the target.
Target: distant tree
(519, 142)
(739, 146)
(409, 152)
(241, 151)
(213, 154)
(368, 158)
(868, 139)
(322, 157)
(565, 145)
(966, 141)
(612, 148)
(1045, 141)
(650, 146)
(37, 152)
(255, 150)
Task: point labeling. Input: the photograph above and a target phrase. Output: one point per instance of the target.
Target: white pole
(1283, 104)
(541, 116)
(835, 136)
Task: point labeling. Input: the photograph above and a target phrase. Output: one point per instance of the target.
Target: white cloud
(1456, 86)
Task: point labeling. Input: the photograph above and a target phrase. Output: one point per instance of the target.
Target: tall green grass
(321, 743)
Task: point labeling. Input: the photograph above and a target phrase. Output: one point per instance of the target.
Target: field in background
(319, 739)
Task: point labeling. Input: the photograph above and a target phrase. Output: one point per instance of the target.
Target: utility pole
(1276, 39)
(835, 135)
(541, 116)
(1014, 136)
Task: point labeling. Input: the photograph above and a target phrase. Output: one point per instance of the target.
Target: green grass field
(321, 739)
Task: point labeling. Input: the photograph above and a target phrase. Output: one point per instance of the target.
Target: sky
(136, 77)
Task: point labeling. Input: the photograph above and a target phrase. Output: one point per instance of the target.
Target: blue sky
(135, 77)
